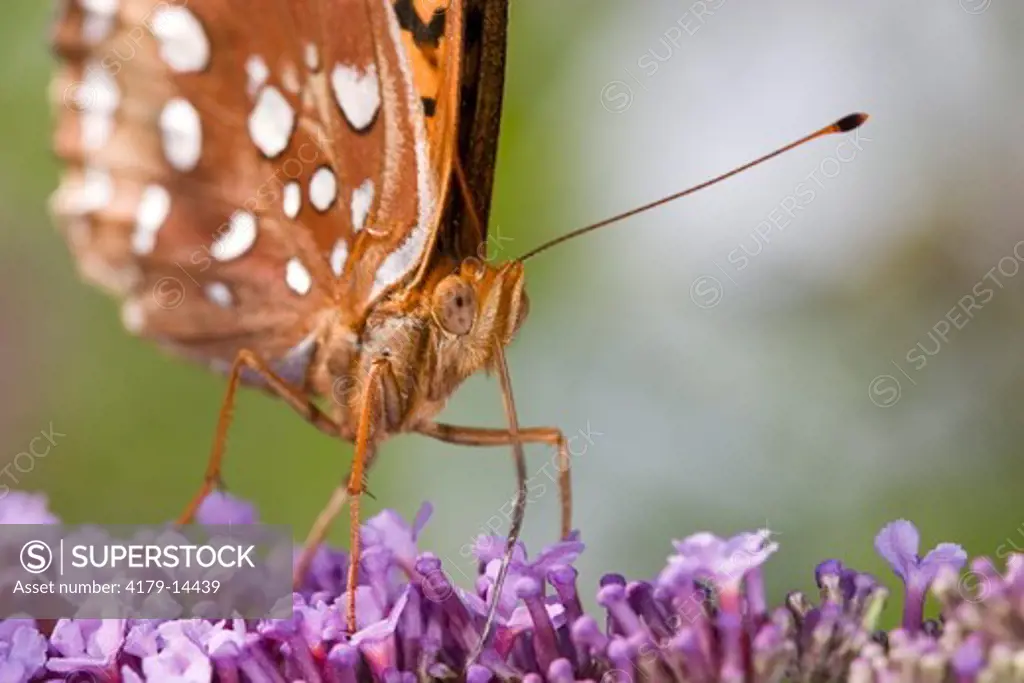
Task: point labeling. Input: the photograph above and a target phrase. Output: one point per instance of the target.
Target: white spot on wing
(362, 200)
(97, 99)
(237, 239)
(290, 79)
(96, 28)
(338, 256)
(312, 57)
(99, 19)
(181, 134)
(183, 43)
(96, 129)
(297, 277)
(323, 189)
(99, 89)
(218, 293)
(99, 6)
(358, 94)
(150, 215)
(77, 195)
(292, 199)
(271, 122)
(258, 73)
(95, 193)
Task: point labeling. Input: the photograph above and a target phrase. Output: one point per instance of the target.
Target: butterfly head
(475, 306)
(446, 331)
(451, 328)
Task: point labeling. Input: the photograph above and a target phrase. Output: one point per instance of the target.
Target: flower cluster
(704, 619)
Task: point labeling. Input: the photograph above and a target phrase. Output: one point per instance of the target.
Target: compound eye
(455, 305)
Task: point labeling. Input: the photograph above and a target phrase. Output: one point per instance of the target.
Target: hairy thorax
(425, 343)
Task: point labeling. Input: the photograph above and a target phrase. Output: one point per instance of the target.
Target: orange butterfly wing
(246, 173)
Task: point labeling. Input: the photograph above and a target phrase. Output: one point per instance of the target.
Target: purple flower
(179, 660)
(898, 542)
(489, 551)
(89, 646)
(19, 507)
(222, 508)
(377, 640)
(22, 652)
(829, 635)
(728, 564)
(704, 619)
(390, 531)
(969, 658)
(326, 575)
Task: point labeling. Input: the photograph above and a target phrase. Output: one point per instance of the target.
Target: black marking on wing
(480, 99)
(474, 26)
(422, 33)
(429, 106)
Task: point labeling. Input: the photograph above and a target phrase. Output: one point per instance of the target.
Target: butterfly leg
(293, 397)
(474, 436)
(379, 382)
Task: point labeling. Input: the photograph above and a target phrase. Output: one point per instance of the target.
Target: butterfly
(296, 193)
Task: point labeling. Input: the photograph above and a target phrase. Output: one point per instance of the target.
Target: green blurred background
(735, 366)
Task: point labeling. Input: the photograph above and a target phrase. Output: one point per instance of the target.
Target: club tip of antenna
(849, 122)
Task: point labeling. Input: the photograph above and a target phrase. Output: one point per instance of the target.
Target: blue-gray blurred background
(819, 346)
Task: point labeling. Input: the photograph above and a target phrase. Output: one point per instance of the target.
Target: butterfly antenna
(518, 512)
(843, 125)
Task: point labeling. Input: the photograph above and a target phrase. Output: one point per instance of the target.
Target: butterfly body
(431, 339)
